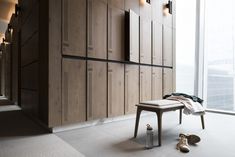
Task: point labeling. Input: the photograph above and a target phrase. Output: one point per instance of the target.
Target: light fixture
(167, 8)
(9, 28)
(143, 2)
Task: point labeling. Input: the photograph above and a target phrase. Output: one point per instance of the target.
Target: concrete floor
(21, 137)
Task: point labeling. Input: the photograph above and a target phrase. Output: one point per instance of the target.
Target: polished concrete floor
(21, 137)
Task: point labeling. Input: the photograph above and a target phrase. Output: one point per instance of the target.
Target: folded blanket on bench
(163, 102)
(191, 107)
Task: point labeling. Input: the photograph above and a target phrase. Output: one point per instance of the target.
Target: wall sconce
(143, 2)
(9, 28)
(167, 9)
(17, 10)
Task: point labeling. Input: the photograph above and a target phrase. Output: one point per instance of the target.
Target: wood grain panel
(8, 72)
(156, 43)
(131, 88)
(157, 10)
(26, 8)
(30, 102)
(74, 27)
(145, 83)
(146, 11)
(167, 20)
(30, 51)
(167, 81)
(115, 89)
(145, 41)
(167, 46)
(133, 5)
(29, 77)
(96, 90)
(97, 29)
(119, 4)
(116, 18)
(156, 83)
(74, 91)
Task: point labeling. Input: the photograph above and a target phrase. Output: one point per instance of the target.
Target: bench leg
(202, 120)
(159, 119)
(180, 116)
(137, 121)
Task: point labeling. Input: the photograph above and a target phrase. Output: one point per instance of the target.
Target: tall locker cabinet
(74, 27)
(156, 43)
(74, 91)
(156, 83)
(167, 81)
(145, 83)
(96, 90)
(131, 88)
(97, 29)
(115, 89)
(116, 19)
(167, 46)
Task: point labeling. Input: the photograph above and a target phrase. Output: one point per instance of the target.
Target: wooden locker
(74, 91)
(97, 29)
(119, 4)
(167, 46)
(29, 76)
(115, 89)
(146, 11)
(156, 83)
(168, 19)
(156, 43)
(96, 90)
(133, 5)
(8, 79)
(145, 83)
(116, 24)
(131, 88)
(74, 27)
(145, 41)
(3, 56)
(29, 102)
(167, 81)
(26, 8)
(157, 10)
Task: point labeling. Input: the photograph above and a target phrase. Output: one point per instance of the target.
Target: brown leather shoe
(183, 144)
(192, 139)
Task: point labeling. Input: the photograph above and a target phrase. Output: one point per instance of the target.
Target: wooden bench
(159, 110)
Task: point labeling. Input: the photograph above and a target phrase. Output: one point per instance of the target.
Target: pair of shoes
(185, 139)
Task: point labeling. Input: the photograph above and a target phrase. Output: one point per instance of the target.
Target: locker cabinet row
(84, 29)
(93, 90)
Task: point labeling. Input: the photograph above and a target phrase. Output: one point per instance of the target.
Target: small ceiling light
(167, 8)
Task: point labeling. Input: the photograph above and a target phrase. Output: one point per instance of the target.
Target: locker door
(145, 83)
(119, 4)
(167, 46)
(116, 19)
(97, 29)
(156, 43)
(133, 5)
(74, 91)
(74, 27)
(115, 89)
(156, 83)
(8, 79)
(96, 90)
(167, 81)
(131, 88)
(168, 20)
(157, 11)
(145, 41)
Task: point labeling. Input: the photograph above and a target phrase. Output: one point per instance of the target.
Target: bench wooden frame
(159, 110)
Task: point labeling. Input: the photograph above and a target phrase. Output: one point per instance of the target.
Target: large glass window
(185, 45)
(219, 49)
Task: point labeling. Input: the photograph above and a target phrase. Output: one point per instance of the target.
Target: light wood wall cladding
(74, 27)
(120, 4)
(96, 90)
(145, 41)
(29, 77)
(31, 25)
(156, 83)
(115, 89)
(131, 88)
(156, 43)
(145, 83)
(116, 19)
(97, 29)
(167, 46)
(157, 11)
(30, 51)
(168, 20)
(133, 5)
(167, 81)
(74, 91)
(30, 102)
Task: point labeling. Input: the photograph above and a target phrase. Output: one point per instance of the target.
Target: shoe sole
(193, 139)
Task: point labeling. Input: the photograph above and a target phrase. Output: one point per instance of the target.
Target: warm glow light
(166, 11)
(142, 2)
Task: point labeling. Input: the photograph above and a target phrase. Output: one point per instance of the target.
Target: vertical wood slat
(90, 93)
(90, 25)
(65, 22)
(110, 92)
(110, 22)
(65, 106)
